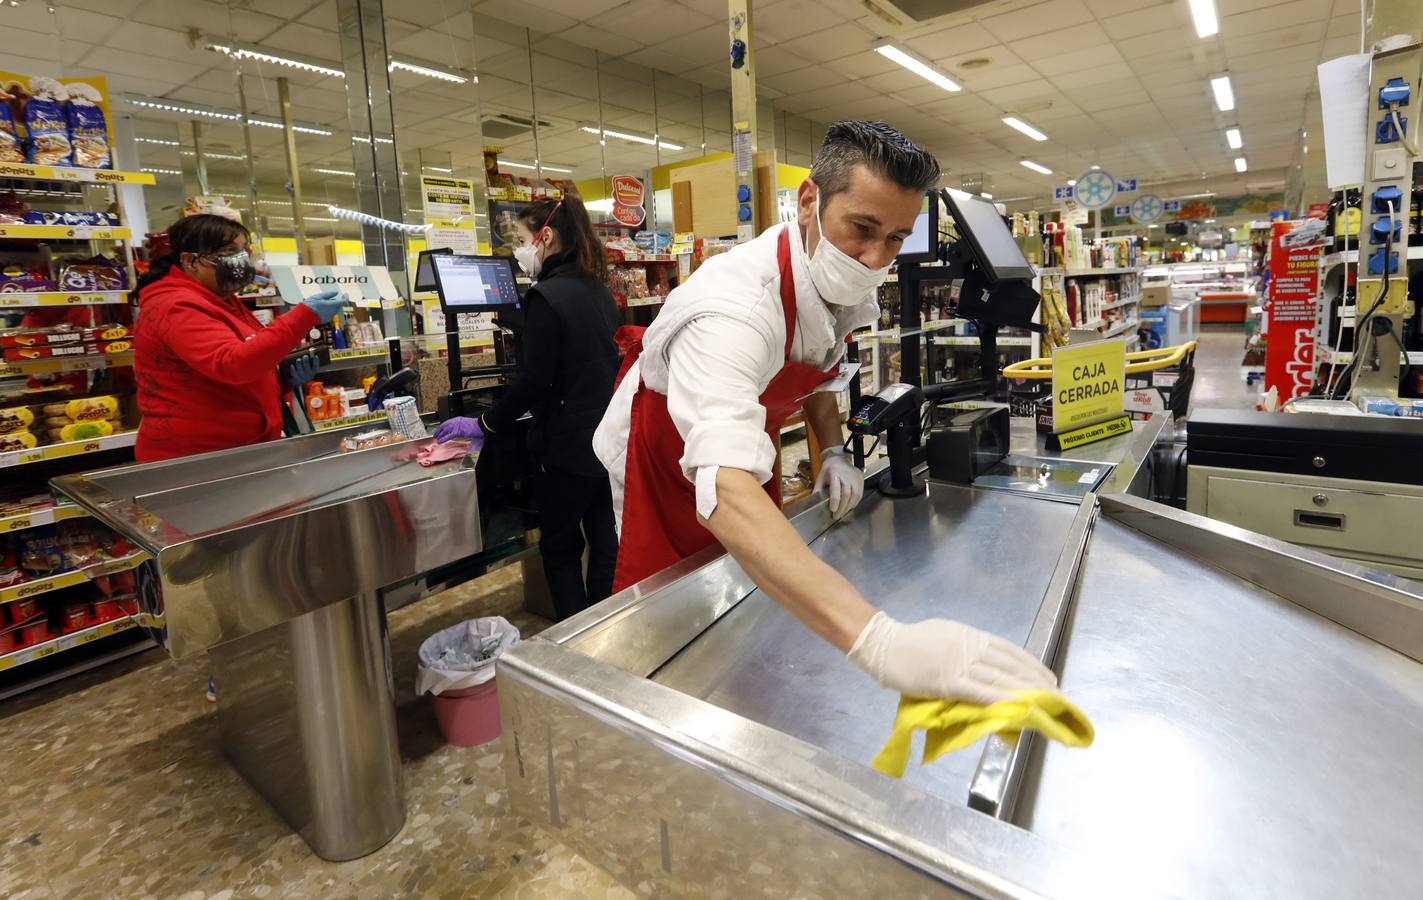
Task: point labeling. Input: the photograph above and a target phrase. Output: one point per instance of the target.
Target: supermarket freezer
(1255, 704)
(270, 558)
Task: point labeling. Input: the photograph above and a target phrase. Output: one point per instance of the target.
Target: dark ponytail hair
(202, 235)
(569, 220)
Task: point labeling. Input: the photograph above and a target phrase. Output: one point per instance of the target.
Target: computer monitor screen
(425, 272)
(923, 244)
(474, 283)
(993, 244)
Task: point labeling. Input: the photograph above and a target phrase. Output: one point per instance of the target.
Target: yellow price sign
(1087, 384)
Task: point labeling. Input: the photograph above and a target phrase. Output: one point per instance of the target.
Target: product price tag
(83, 231)
(65, 173)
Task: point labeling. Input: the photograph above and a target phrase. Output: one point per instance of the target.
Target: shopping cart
(1156, 380)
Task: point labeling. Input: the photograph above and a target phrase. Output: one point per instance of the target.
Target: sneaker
(212, 690)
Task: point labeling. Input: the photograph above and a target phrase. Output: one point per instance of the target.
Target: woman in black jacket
(565, 379)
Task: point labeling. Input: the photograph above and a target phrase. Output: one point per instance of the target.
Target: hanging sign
(1290, 302)
(449, 211)
(1062, 192)
(1121, 212)
(1087, 382)
(1126, 186)
(367, 286)
(1171, 206)
(1147, 208)
(1095, 188)
(628, 194)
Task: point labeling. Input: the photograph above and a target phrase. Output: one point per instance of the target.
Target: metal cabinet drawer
(1332, 518)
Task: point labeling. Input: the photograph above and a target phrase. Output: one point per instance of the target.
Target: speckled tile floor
(114, 787)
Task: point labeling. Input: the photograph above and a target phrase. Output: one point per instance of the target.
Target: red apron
(660, 524)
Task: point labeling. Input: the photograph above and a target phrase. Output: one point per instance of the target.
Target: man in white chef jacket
(747, 340)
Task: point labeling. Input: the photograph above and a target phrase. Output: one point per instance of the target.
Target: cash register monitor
(994, 248)
(425, 271)
(922, 246)
(475, 283)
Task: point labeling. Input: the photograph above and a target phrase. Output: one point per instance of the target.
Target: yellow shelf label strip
(65, 642)
(69, 173)
(62, 298)
(66, 232)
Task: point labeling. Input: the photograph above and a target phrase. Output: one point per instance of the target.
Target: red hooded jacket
(207, 369)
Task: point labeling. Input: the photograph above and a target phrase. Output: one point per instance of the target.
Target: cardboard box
(1156, 295)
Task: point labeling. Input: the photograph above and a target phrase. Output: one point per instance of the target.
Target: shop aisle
(1219, 383)
(118, 790)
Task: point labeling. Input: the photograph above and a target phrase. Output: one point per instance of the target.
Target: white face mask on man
(839, 278)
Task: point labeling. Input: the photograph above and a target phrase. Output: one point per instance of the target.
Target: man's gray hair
(879, 147)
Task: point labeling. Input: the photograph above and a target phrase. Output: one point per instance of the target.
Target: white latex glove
(841, 480)
(940, 658)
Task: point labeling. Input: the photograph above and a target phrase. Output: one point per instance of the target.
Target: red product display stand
(1290, 300)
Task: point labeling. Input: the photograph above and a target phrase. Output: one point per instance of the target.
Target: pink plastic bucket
(469, 716)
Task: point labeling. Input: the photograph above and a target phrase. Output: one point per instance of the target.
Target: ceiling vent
(909, 13)
(502, 126)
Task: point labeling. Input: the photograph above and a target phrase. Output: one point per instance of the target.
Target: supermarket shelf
(70, 173)
(359, 419)
(62, 298)
(1080, 273)
(66, 642)
(66, 232)
(54, 366)
(1327, 356)
(971, 340)
(1122, 327)
(48, 516)
(1352, 256)
(356, 358)
(646, 301)
(1052, 270)
(37, 586)
(73, 448)
(1134, 298)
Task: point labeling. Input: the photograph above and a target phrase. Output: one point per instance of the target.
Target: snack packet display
(83, 431)
(84, 409)
(39, 551)
(17, 418)
(18, 440)
(10, 150)
(46, 123)
(88, 131)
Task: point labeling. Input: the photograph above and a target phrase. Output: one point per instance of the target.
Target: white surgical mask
(528, 258)
(838, 277)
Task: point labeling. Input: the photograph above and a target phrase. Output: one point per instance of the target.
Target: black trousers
(572, 508)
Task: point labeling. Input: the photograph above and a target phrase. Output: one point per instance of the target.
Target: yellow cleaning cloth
(952, 725)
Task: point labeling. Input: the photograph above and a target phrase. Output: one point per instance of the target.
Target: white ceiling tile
(1345, 24)
(1171, 16)
(1275, 17)
(786, 20)
(647, 20)
(898, 80)
(774, 61)
(996, 76)
(582, 9)
(833, 43)
(952, 41)
(924, 92)
(1074, 38)
(1161, 50)
(1105, 76)
(611, 42)
(1097, 101)
(518, 12)
(655, 58)
(1038, 19)
(1023, 97)
(703, 46)
(1103, 9)
(1310, 33)
(1090, 58)
(860, 65)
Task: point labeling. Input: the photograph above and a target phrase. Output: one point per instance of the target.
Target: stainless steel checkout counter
(1256, 709)
(269, 558)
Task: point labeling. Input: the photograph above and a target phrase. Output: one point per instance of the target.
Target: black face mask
(234, 271)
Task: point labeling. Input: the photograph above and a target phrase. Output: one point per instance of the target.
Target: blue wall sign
(1062, 192)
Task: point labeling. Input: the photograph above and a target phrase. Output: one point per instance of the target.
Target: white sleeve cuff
(706, 491)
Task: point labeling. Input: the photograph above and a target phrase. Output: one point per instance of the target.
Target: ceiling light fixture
(429, 69)
(361, 138)
(298, 128)
(544, 166)
(441, 169)
(287, 203)
(1233, 138)
(156, 170)
(1240, 164)
(1094, 167)
(341, 172)
(159, 141)
(187, 109)
(985, 195)
(1018, 124)
(239, 50)
(212, 154)
(925, 71)
(1072, 182)
(1203, 12)
(1029, 164)
(1195, 196)
(635, 138)
(1224, 94)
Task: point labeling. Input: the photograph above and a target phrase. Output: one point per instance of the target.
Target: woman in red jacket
(206, 367)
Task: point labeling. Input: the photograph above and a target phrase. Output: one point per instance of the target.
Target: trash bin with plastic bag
(457, 669)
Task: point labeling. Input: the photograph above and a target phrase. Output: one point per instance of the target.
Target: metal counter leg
(306, 712)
